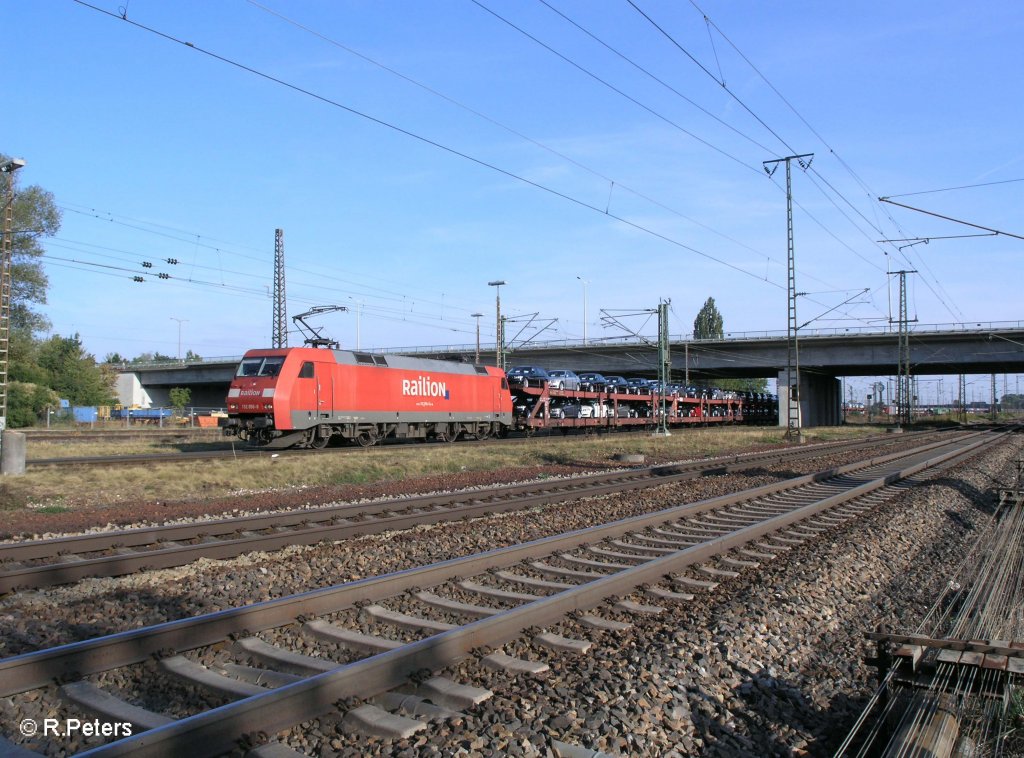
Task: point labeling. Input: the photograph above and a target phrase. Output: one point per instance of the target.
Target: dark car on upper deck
(591, 381)
(527, 376)
(617, 384)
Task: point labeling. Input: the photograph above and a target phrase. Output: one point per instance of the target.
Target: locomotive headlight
(232, 406)
(268, 406)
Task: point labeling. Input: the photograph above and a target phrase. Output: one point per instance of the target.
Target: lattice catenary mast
(793, 419)
(280, 326)
(904, 392)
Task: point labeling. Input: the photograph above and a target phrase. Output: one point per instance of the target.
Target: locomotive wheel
(448, 434)
(483, 432)
(367, 438)
(316, 441)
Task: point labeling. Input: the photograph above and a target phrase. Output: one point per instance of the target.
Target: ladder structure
(6, 288)
(280, 326)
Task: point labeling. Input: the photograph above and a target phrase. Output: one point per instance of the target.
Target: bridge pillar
(821, 400)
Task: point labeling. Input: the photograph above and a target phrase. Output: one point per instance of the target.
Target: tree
(26, 401)
(708, 324)
(156, 357)
(74, 374)
(35, 217)
(180, 397)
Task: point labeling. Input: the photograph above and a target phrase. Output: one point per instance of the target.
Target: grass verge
(58, 490)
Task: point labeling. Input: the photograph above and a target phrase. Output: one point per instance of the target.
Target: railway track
(457, 610)
(43, 563)
(61, 435)
(234, 450)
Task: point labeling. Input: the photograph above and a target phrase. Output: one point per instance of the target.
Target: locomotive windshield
(268, 366)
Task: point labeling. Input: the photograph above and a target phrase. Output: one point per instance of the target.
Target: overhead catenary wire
(425, 140)
(431, 142)
(650, 110)
(613, 183)
(950, 306)
(961, 187)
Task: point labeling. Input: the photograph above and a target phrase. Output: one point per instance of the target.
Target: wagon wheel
(529, 431)
(367, 438)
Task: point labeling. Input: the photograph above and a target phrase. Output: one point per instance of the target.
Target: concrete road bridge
(825, 355)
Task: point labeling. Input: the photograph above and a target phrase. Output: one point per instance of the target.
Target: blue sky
(549, 163)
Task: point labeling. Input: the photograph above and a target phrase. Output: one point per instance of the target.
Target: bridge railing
(980, 327)
(837, 331)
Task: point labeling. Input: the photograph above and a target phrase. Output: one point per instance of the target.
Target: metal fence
(979, 327)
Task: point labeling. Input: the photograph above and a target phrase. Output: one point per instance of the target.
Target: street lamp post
(585, 283)
(477, 316)
(180, 322)
(6, 291)
(359, 311)
(499, 349)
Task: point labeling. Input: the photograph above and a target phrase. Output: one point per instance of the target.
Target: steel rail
(219, 730)
(35, 669)
(227, 538)
(251, 452)
(237, 450)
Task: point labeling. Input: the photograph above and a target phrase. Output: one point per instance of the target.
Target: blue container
(85, 414)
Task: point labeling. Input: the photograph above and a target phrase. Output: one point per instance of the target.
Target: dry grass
(146, 442)
(67, 488)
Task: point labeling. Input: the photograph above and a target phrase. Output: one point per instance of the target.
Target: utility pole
(585, 283)
(180, 322)
(992, 403)
(793, 433)
(499, 348)
(477, 316)
(904, 397)
(963, 399)
(279, 331)
(664, 367)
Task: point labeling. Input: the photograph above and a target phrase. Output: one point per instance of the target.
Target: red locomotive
(306, 396)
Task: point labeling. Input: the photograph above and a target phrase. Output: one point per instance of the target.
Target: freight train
(307, 397)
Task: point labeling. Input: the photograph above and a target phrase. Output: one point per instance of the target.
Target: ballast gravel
(770, 663)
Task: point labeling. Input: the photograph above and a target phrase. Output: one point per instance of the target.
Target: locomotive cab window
(269, 366)
(272, 365)
(249, 367)
(306, 372)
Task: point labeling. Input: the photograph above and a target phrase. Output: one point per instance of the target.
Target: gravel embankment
(766, 664)
(36, 524)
